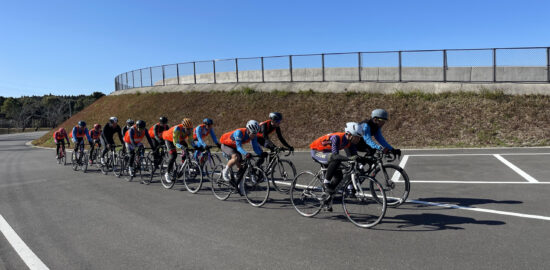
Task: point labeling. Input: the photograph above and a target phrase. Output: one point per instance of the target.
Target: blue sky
(77, 47)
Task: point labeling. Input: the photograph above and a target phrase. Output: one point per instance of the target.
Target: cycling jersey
(267, 128)
(95, 134)
(176, 135)
(332, 142)
(134, 137)
(59, 136)
(79, 133)
(370, 129)
(108, 133)
(238, 137)
(156, 131)
(201, 131)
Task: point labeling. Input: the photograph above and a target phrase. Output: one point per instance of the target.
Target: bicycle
(282, 171)
(121, 160)
(363, 198)
(208, 161)
(95, 154)
(156, 166)
(140, 164)
(252, 183)
(111, 160)
(393, 178)
(79, 159)
(189, 170)
(62, 155)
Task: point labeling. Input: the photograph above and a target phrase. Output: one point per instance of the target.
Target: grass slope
(416, 119)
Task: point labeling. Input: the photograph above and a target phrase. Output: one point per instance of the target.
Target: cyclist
(109, 131)
(175, 137)
(155, 132)
(267, 127)
(129, 124)
(58, 138)
(325, 150)
(133, 139)
(95, 134)
(204, 130)
(79, 132)
(373, 128)
(232, 146)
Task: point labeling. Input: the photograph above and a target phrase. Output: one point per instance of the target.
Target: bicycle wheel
(192, 176)
(115, 163)
(147, 171)
(163, 180)
(210, 164)
(305, 194)
(74, 162)
(282, 176)
(360, 206)
(220, 188)
(156, 172)
(64, 158)
(84, 162)
(395, 182)
(256, 186)
(121, 166)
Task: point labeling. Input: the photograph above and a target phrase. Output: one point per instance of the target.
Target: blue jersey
(368, 134)
(241, 138)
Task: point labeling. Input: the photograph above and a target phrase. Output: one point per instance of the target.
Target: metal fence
(525, 64)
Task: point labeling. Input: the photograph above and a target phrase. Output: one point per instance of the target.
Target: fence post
(290, 67)
(126, 80)
(444, 65)
(400, 72)
(151, 75)
(494, 65)
(359, 64)
(195, 72)
(323, 65)
(141, 78)
(163, 77)
(237, 69)
(214, 67)
(263, 79)
(178, 72)
(548, 63)
(133, 80)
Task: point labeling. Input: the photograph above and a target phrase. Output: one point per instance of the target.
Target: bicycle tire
(160, 171)
(192, 176)
(84, 162)
(166, 184)
(256, 186)
(74, 163)
(115, 163)
(210, 164)
(282, 175)
(106, 167)
(147, 171)
(121, 166)
(305, 194)
(398, 191)
(220, 188)
(360, 206)
(64, 158)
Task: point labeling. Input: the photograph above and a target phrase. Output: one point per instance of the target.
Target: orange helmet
(187, 123)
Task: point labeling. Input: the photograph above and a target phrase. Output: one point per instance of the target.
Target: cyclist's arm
(214, 138)
(256, 146)
(131, 135)
(149, 139)
(158, 135)
(239, 136)
(67, 138)
(74, 134)
(198, 132)
(265, 132)
(54, 137)
(280, 136)
(368, 138)
(88, 135)
(382, 140)
(119, 131)
(335, 142)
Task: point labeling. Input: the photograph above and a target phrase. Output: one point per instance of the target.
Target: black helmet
(207, 121)
(276, 116)
(163, 120)
(140, 124)
(82, 123)
(130, 122)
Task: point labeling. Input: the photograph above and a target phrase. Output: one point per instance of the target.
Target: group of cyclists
(357, 136)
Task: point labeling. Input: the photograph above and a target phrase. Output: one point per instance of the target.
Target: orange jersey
(324, 143)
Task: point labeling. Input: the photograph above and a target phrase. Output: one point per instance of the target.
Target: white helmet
(253, 126)
(113, 119)
(354, 129)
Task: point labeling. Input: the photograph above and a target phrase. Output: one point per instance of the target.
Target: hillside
(416, 119)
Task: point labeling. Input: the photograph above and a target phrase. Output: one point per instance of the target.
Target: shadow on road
(431, 222)
(466, 201)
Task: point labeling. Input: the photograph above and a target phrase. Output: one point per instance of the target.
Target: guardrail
(490, 65)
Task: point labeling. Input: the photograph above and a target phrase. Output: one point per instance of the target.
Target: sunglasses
(381, 120)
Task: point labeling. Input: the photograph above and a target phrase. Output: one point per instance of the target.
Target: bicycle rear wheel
(220, 188)
(115, 163)
(210, 164)
(360, 206)
(395, 182)
(256, 186)
(122, 163)
(282, 176)
(305, 194)
(192, 176)
(74, 162)
(84, 162)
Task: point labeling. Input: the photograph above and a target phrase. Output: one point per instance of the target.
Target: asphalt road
(75, 220)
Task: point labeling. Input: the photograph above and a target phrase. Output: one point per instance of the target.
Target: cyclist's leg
(173, 155)
(131, 152)
(57, 145)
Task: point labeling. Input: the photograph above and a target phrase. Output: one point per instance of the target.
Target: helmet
(163, 120)
(253, 126)
(380, 113)
(61, 130)
(276, 116)
(130, 122)
(207, 121)
(97, 126)
(82, 123)
(354, 129)
(187, 123)
(113, 119)
(140, 124)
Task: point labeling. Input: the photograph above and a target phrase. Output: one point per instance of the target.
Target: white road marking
(26, 254)
(457, 155)
(474, 182)
(516, 169)
(396, 174)
(453, 206)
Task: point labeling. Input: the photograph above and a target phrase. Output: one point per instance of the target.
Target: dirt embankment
(416, 119)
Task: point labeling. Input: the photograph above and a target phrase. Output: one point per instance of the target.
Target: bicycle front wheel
(192, 176)
(74, 162)
(256, 186)
(84, 162)
(220, 188)
(360, 206)
(282, 176)
(165, 182)
(395, 182)
(305, 194)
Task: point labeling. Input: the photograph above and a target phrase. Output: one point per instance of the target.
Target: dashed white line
(516, 169)
(26, 254)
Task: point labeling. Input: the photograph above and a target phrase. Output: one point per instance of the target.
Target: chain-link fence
(526, 65)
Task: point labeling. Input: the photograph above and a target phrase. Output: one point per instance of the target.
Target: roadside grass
(417, 119)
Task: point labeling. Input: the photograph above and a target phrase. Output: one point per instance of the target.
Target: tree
(11, 107)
